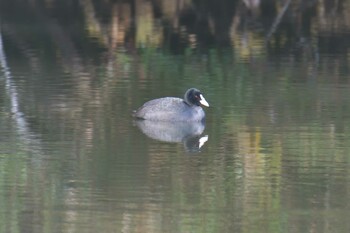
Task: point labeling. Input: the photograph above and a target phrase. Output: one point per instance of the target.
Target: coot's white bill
(203, 101)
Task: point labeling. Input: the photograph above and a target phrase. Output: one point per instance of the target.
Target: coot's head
(194, 97)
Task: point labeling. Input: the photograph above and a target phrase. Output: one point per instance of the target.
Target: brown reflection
(194, 24)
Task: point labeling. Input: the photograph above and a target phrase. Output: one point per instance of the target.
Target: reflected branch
(11, 89)
(278, 20)
(21, 122)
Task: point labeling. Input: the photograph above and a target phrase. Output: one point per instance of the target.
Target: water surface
(272, 156)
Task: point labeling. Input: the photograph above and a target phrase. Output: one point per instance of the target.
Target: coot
(174, 109)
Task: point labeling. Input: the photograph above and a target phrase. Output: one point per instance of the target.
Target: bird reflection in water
(188, 133)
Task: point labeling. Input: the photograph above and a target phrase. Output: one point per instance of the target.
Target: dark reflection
(94, 25)
(188, 133)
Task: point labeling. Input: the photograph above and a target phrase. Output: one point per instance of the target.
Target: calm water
(273, 156)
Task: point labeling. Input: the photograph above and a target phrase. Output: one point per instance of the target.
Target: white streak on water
(11, 90)
(17, 115)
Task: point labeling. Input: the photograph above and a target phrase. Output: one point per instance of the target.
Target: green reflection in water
(276, 160)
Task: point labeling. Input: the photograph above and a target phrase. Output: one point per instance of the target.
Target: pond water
(272, 156)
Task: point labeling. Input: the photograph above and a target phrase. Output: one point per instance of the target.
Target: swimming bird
(174, 109)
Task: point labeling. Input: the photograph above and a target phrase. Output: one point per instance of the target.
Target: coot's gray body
(174, 109)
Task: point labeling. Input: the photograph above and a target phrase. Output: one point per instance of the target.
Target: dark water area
(272, 156)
